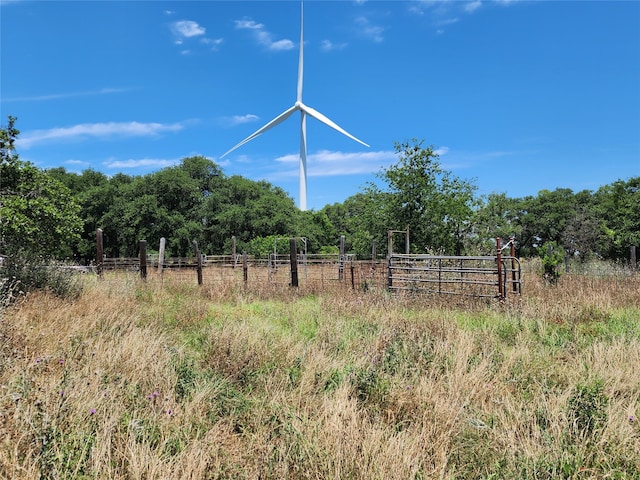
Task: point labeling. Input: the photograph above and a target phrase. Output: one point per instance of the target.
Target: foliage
(435, 205)
(23, 273)
(37, 213)
(551, 256)
(587, 409)
(618, 207)
(194, 200)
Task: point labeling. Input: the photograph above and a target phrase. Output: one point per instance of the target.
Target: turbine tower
(304, 111)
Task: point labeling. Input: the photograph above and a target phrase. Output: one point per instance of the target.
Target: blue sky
(518, 96)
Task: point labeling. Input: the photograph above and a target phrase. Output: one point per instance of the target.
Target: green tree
(436, 205)
(498, 216)
(545, 218)
(618, 207)
(38, 214)
(245, 209)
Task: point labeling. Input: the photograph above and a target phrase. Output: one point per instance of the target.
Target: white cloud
(374, 32)
(96, 130)
(326, 163)
(142, 162)
(58, 96)
(328, 46)
(187, 29)
(239, 119)
(472, 6)
(213, 42)
(264, 37)
(248, 24)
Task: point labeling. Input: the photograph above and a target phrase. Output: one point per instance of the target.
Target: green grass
(168, 380)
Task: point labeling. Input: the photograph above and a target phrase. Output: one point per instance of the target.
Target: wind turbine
(304, 111)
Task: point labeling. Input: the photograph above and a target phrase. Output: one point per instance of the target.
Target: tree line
(55, 212)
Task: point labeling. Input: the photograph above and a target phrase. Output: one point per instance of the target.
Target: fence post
(407, 245)
(389, 243)
(353, 283)
(233, 251)
(373, 254)
(341, 258)
(163, 243)
(634, 265)
(99, 252)
(198, 261)
(245, 268)
(513, 265)
(293, 257)
(142, 244)
(389, 274)
(499, 262)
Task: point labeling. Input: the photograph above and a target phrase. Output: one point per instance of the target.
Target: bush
(22, 273)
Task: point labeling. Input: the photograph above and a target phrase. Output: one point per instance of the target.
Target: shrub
(23, 273)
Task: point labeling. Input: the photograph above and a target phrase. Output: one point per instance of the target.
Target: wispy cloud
(239, 119)
(214, 43)
(327, 163)
(447, 12)
(141, 162)
(367, 29)
(263, 36)
(96, 130)
(472, 6)
(187, 29)
(59, 96)
(328, 46)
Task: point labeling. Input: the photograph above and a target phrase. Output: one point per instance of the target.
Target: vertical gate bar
(499, 265)
(293, 256)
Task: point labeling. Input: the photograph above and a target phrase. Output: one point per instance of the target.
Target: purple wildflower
(92, 411)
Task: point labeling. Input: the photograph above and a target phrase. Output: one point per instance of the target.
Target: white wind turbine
(304, 111)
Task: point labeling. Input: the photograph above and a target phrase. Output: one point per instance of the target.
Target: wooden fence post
(198, 262)
(353, 283)
(389, 274)
(163, 242)
(514, 283)
(99, 252)
(373, 254)
(389, 243)
(341, 258)
(407, 244)
(142, 244)
(245, 268)
(233, 251)
(293, 257)
(634, 265)
(499, 264)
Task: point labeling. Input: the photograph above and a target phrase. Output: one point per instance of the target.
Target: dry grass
(168, 380)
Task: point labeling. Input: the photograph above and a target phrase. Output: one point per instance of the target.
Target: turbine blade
(319, 116)
(301, 59)
(279, 119)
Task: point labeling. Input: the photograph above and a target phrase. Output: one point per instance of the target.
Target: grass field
(150, 380)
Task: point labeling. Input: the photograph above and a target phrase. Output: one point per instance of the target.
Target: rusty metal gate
(481, 276)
